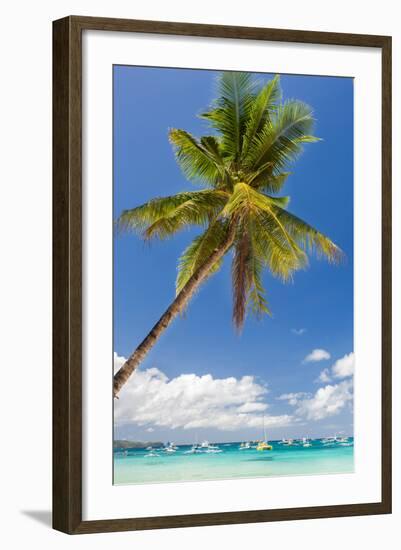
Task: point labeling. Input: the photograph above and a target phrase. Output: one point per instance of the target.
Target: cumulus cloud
(252, 407)
(298, 331)
(344, 367)
(190, 401)
(317, 355)
(324, 376)
(327, 401)
(330, 399)
(293, 398)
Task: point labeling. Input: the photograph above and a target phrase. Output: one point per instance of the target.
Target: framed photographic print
(222, 275)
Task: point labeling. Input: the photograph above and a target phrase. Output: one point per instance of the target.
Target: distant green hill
(125, 444)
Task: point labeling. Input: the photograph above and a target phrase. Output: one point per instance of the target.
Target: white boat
(194, 449)
(151, 454)
(206, 447)
(329, 440)
(287, 442)
(341, 440)
(245, 446)
(170, 447)
(210, 448)
(306, 442)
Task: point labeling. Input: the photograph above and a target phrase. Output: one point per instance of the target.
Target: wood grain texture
(67, 278)
(225, 31)
(67, 274)
(386, 276)
(229, 518)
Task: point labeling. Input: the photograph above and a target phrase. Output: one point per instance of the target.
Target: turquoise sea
(230, 461)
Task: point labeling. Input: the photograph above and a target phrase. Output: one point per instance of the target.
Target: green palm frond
(231, 110)
(212, 145)
(261, 109)
(199, 251)
(281, 138)
(198, 160)
(162, 217)
(300, 235)
(278, 253)
(246, 199)
(283, 202)
(309, 238)
(240, 201)
(272, 244)
(264, 179)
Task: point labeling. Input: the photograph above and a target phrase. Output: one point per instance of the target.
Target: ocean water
(134, 466)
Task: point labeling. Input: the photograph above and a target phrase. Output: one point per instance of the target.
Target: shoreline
(140, 466)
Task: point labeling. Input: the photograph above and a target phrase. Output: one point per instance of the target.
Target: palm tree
(242, 164)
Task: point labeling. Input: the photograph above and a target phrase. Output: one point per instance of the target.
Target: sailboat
(170, 447)
(264, 445)
(213, 449)
(194, 449)
(329, 441)
(207, 447)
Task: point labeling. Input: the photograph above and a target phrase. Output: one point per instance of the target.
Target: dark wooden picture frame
(67, 274)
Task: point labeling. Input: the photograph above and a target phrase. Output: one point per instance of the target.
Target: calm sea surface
(136, 466)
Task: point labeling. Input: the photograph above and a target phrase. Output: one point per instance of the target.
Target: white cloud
(190, 401)
(298, 331)
(317, 355)
(118, 362)
(324, 376)
(344, 367)
(252, 407)
(293, 398)
(327, 401)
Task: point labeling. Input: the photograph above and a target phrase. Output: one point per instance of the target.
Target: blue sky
(147, 102)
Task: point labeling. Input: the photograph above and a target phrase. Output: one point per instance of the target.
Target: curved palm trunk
(176, 307)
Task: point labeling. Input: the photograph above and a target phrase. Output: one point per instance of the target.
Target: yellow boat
(264, 445)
